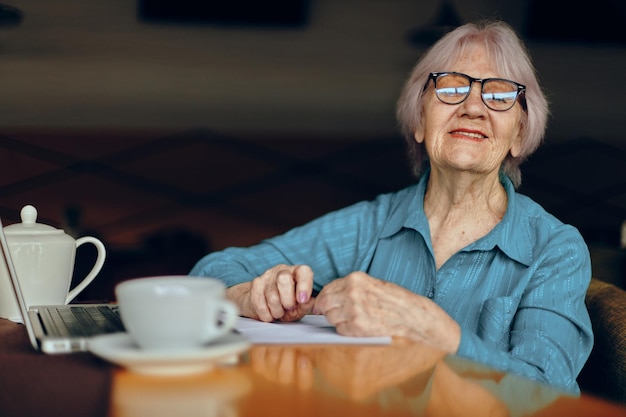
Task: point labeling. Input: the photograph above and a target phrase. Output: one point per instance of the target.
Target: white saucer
(120, 349)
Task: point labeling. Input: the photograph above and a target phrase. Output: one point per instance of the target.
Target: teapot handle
(94, 271)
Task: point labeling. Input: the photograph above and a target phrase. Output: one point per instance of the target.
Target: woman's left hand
(361, 305)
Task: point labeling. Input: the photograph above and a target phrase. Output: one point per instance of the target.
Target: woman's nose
(474, 102)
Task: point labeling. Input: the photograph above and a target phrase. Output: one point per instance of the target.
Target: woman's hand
(360, 305)
(281, 293)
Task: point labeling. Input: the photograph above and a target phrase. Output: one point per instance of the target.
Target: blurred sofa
(604, 373)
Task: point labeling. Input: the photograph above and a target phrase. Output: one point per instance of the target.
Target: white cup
(173, 313)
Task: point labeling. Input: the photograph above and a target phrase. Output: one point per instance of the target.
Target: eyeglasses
(498, 94)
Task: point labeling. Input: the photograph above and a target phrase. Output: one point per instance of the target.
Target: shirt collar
(511, 235)
(409, 212)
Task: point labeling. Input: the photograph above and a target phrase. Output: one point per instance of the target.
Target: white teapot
(44, 262)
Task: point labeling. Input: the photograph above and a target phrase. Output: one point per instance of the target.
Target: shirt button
(431, 294)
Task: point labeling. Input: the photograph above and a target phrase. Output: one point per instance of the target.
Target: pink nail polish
(302, 297)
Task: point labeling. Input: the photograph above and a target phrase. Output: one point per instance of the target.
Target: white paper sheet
(312, 329)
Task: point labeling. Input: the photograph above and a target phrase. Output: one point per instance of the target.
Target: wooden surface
(398, 380)
(402, 379)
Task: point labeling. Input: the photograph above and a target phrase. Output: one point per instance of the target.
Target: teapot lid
(29, 224)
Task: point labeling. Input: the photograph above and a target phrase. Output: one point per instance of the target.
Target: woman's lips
(469, 134)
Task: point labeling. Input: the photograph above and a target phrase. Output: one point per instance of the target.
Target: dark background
(170, 129)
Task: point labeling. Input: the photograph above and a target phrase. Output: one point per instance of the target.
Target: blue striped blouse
(517, 293)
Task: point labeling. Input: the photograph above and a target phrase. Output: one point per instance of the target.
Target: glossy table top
(401, 379)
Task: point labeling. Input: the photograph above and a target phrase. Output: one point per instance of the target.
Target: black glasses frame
(520, 93)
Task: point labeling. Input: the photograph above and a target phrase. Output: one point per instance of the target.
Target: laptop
(60, 328)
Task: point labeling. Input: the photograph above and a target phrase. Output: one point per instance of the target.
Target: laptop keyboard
(86, 320)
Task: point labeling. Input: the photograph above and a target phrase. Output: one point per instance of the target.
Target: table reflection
(357, 371)
(415, 378)
(212, 394)
(401, 379)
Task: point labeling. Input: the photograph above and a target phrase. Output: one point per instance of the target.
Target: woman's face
(469, 136)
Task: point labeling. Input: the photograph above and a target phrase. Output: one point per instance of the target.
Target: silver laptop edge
(8, 262)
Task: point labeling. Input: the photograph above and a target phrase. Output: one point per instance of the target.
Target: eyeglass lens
(497, 94)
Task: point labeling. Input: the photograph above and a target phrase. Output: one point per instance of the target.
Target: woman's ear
(419, 135)
(516, 147)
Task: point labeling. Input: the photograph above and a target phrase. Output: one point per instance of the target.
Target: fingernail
(315, 310)
(302, 297)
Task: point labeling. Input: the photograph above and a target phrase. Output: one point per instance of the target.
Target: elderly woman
(459, 260)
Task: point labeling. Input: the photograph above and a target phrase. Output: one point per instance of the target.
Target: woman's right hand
(281, 293)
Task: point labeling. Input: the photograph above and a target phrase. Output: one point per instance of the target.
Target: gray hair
(510, 57)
